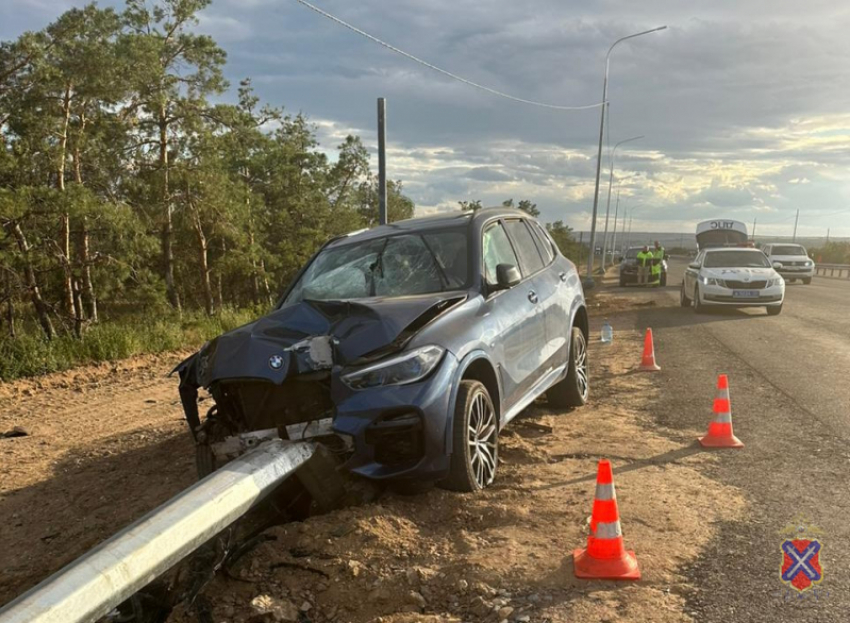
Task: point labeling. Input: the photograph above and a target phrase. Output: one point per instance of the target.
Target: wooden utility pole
(382, 161)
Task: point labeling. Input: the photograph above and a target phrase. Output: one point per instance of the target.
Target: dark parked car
(403, 349)
(629, 268)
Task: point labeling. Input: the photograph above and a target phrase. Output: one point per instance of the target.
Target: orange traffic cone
(720, 429)
(648, 364)
(605, 557)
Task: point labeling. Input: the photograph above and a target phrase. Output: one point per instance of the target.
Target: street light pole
(616, 215)
(608, 207)
(796, 220)
(629, 238)
(589, 277)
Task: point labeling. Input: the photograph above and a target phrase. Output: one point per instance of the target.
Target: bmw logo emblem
(276, 362)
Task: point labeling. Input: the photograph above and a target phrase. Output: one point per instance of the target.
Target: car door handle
(563, 277)
(532, 296)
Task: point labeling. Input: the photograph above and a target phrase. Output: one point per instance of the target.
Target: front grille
(260, 404)
(745, 285)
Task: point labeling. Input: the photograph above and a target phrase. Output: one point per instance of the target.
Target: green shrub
(31, 354)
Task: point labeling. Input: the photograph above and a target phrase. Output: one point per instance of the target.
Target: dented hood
(312, 335)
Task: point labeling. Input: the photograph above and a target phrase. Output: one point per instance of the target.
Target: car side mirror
(693, 265)
(507, 276)
(777, 265)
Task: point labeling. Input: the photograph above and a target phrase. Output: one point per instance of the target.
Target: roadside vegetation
(832, 253)
(135, 205)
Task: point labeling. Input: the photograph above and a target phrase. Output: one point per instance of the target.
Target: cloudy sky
(744, 104)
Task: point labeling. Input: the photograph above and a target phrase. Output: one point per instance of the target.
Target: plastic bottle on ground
(607, 332)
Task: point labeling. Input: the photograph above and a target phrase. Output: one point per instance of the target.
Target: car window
(543, 244)
(497, 250)
(407, 267)
(736, 259)
(451, 252)
(400, 265)
(529, 257)
(632, 253)
(787, 250)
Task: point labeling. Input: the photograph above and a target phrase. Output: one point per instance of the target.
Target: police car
(732, 277)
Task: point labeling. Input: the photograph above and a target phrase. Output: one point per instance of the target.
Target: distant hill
(688, 241)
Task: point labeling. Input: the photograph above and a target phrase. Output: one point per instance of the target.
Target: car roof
(436, 221)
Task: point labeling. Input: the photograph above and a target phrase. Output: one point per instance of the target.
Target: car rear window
(543, 244)
(529, 257)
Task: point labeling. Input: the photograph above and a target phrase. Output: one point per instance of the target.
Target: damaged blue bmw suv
(403, 349)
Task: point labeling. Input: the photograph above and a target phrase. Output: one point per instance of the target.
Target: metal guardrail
(96, 583)
(838, 271)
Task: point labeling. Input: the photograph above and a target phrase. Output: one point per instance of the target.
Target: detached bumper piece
(397, 440)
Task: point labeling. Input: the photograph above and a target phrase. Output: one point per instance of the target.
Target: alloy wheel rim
(580, 362)
(482, 437)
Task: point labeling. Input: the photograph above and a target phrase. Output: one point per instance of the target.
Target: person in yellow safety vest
(644, 259)
(657, 258)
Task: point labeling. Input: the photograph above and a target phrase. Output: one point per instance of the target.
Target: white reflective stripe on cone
(605, 492)
(723, 393)
(723, 418)
(609, 530)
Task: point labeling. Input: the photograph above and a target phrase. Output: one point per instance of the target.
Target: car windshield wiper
(443, 278)
(378, 264)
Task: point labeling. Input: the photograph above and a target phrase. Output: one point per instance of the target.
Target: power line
(439, 70)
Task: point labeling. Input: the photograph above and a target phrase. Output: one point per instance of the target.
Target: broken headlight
(400, 370)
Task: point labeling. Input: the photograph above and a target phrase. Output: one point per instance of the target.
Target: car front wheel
(699, 308)
(774, 310)
(574, 390)
(475, 440)
(684, 301)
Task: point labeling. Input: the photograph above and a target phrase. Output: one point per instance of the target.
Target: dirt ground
(108, 443)
(104, 445)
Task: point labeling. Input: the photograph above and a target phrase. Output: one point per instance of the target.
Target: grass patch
(30, 354)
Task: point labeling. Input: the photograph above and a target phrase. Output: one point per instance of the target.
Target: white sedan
(732, 277)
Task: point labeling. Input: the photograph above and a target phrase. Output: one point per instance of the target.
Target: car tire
(774, 310)
(807, 281)
(475, 440)
(699, 308)
(684, 301)
(574, 389)
(663, 280)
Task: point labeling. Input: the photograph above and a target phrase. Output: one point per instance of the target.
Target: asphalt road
(790, 387)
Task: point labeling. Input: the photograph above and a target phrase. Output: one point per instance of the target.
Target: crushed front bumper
(398, 431)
